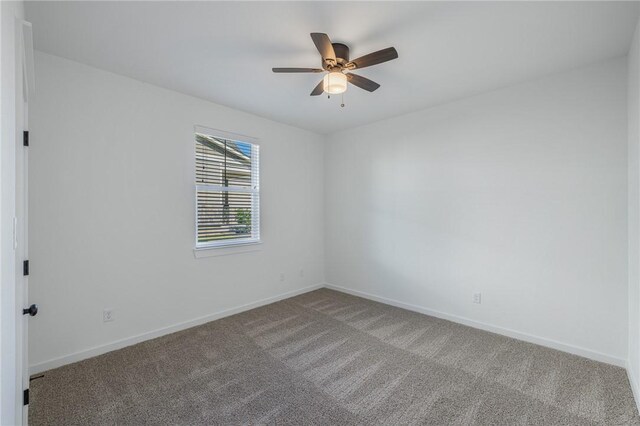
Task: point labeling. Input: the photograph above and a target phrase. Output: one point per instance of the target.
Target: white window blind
(227, 190)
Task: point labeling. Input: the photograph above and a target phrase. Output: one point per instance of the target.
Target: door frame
(25, 89)
(26, 77)
(11, 105)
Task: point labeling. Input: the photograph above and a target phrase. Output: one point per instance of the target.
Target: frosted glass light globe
(334, 83)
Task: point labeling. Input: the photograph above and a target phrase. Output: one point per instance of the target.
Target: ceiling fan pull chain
(342, 104)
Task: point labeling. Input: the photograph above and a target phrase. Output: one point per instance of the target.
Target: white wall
(10, 95)
(633, 98)
(112, 212)
(520, 194)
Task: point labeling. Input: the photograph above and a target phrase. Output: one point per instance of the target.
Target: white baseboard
(99, 350)
(634, 384)
(576, 350)
(119, 344)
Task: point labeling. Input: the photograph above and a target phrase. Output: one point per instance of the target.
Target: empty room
(320, 213)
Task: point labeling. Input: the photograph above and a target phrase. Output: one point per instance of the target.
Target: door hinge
(25, 397)
(25, 138)
(25, 267)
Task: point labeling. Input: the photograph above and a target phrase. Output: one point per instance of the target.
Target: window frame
(255, 237)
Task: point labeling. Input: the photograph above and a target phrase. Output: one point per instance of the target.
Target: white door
(26, 80)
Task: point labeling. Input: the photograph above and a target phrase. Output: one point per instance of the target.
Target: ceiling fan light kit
(336, 63)
(334, 83)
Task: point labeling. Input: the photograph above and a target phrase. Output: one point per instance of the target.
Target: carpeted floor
(329, 358)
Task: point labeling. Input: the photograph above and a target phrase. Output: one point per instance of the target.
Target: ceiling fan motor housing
(342, 53)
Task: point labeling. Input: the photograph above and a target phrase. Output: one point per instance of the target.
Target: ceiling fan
(335, 61)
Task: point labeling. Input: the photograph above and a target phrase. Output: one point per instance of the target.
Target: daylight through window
(227, 192)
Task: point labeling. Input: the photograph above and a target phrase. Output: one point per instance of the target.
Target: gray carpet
(329, 358)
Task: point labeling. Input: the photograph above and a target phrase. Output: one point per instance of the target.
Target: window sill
(239, 248)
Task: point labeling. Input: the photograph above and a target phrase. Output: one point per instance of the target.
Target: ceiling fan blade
(374, 58)
(319, 89)
(361, 82)
(323, 44)
(297, 70)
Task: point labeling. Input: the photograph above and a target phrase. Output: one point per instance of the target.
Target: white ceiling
(224, 51)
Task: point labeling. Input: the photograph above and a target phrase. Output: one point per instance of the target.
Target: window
(227, 189)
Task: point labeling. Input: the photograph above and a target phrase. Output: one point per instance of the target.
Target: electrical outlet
(281, 276)
(477, 298)
(108, 315)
